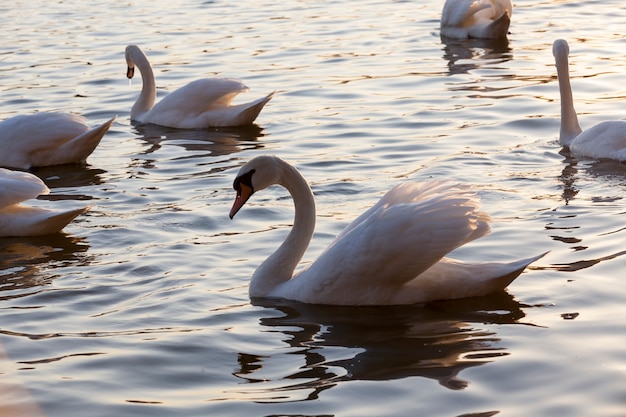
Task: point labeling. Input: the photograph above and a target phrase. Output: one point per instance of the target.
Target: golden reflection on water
(438, 341)
(29, 265)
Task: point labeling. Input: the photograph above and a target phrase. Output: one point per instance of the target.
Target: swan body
(19, 220)
(48, 138)
(392, 254)
(482, 19)
(202, 103)
(603, 140)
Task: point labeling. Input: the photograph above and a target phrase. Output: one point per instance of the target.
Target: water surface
(140, 307)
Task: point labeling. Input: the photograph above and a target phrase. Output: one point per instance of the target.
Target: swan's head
(257, 174)
(131, 51)
(560, 49)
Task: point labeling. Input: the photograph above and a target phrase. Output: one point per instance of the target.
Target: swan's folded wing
(399, 238)
(17, 186)
(200, 96)
(605, 140)
(410, 193)
(501, 7)
(46, 130)
(457, 13)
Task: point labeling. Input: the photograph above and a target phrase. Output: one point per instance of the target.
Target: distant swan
(202, 103)
(19, 220)
(392, 254)
(482, 19)
(604, 140)
(48, 138)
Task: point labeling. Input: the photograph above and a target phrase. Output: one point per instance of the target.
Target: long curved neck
(569, 121)
(147, 97)
(280, 266)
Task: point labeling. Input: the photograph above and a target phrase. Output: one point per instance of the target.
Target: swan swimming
(482, 19)
(48, 138)
(19, 220)
(392, 254)
(603, 140)
(202, 103)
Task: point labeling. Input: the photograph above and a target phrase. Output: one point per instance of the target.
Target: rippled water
(141, 306)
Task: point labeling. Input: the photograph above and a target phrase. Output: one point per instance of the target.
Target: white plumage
(482, 19)
(603, 140)
(202, 103)
(392, 254)
(48, 138)
(19, 220)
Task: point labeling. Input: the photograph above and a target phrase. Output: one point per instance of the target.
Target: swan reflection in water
(566, 227)
(201, 142)
(28, 265)
(337, 344)
(465, 55)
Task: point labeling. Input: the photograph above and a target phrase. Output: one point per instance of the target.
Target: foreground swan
(604, 140)
(48, 138)
(483, 19)
(19, 220)
(202, 103)
(391, 254)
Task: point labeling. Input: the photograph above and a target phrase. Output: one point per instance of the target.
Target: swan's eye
(244, 179)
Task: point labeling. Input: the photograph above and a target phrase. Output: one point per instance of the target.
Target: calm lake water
(141, 309)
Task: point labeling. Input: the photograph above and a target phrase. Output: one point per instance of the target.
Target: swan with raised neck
(604, 140)
(392, 254)
(206, 102)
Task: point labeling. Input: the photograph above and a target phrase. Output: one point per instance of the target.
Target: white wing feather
(410, 229)
(17, 186)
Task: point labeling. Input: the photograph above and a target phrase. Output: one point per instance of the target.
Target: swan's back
(462, 19)
(186, 106)
(48, 138)
(30, 130)
(22, 220)
(606, 140)
(17, 186)
(410, 229)
(202, 95)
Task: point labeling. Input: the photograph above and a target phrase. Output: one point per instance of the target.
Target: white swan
(392, 254)
(202, 103)
(19, 220)
(483, 19)
(48, 138)
(604, 140)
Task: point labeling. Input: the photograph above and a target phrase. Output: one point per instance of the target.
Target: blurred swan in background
(483, 19)
(19, 220)
(202, 103)
(48, 138)
(603, 140)
(392, 254)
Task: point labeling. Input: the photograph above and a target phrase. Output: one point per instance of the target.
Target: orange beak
(243, 194)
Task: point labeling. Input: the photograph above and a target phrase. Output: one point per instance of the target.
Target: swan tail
(512, 270)
(32, 221)
(78, 149)
(499, 27)
(451, 279)
(252, 110)
(57, 222)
